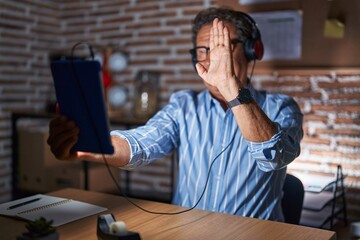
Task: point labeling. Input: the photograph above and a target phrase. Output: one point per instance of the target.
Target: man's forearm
(120, 157)
(253, 122)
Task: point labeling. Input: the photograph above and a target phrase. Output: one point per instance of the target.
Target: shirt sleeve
(156, 139)
(284, 146)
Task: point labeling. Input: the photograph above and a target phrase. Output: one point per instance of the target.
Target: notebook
(80, 95)
(60, 210)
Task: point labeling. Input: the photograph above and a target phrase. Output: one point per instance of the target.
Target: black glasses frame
(207, 49)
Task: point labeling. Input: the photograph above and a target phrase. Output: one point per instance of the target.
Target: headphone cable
(105, 160)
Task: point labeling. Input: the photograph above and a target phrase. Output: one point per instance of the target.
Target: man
(244, 138)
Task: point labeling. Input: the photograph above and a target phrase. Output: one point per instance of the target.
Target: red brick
(301, 95)
(336, 108)
(349, 143)
(186, 31)
(337, 132)
(177, 61)
(143, 62)
(15, 8)
(315, 140)
(146, 25)
(345, 96)
(340, 120)
(192, 3)
(105, 29)
(179, 22)
(192, 12)
(153, 52)
(137, 8)
(117, 19)
(178, 41)
(157, 33)
(143, 43)
(117, 36)
(18, 18)
(339, 85)
(315, 118)
(12, 26)
(305, 84)
(160, 14)
(335, 154)
(113, 4)
(102, 12)
(82, 22)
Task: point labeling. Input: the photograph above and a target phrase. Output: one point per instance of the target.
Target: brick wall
(156, 35)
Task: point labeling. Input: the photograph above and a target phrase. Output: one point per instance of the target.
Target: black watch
(243, 97)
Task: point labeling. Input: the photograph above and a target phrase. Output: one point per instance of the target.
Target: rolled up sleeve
(284, 146)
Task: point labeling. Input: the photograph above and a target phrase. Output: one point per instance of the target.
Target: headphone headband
(253, 48)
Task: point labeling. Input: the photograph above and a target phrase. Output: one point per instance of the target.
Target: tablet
(80, 95)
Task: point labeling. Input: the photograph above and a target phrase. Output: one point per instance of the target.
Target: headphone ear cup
(258, 47)
(254, 49)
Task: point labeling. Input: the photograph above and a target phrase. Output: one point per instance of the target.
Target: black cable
(79, 43)
(105, 160)
(168, 213)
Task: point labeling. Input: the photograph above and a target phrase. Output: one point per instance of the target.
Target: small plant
(39, 228)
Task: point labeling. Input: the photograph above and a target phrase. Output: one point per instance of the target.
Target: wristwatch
(243, 97)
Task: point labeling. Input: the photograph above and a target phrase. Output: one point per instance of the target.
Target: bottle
(146, 94)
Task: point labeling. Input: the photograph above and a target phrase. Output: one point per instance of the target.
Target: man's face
(239, 60)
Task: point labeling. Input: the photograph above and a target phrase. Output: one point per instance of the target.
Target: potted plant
(40, 229)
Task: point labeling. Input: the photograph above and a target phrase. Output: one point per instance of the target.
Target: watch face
(244, 95)
(117, 96)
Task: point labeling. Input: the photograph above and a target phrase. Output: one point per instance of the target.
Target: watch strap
(233, 103)
(244, 96)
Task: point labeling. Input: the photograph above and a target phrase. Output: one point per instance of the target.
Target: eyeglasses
(200, 53)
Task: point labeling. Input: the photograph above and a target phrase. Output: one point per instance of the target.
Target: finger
(211, 41)
(216, 32)
(59, 140)
(226, 38)
(62, 139)
(220, 29)
(63, 151)
(227, 44)
(57, 126)
(201, 70)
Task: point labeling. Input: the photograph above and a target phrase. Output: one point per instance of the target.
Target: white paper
(60, 210)
(281, 33)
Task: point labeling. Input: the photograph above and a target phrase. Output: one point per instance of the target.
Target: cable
(252, 70)
(168, 213)
(105, 160)
(89, 47)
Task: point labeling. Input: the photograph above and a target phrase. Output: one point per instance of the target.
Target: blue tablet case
(79, 92)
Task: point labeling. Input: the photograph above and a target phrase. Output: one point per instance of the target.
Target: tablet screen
(80, 96)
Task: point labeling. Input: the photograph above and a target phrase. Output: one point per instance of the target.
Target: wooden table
(196, 224)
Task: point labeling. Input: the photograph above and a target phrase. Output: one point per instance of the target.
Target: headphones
(253, 47)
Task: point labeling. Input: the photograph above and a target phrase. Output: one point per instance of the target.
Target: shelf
(318, 218)
(317, 201)
(324, 200)
(315, 183)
